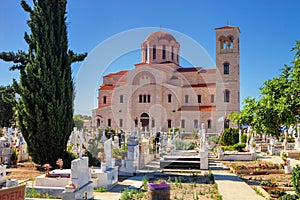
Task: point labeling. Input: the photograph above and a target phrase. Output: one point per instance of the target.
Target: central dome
(160, 47)
(159, 35)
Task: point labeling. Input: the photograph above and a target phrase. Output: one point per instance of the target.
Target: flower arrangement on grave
(101, 156)
(284, 158)
(47, 167)
(60, 163)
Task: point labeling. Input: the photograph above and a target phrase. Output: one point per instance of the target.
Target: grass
(101, 189)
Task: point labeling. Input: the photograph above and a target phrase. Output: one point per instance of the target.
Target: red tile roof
(107, 87)
(141, 64)
(120, 73)
(228, 27)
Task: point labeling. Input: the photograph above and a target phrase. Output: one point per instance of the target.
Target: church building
(159, 94)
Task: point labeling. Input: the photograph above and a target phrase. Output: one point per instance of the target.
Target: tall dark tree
(45, 106)
(7, 102)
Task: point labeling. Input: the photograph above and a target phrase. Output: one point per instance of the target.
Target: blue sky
(269, 30)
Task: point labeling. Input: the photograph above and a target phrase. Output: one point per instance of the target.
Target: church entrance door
(145, 121)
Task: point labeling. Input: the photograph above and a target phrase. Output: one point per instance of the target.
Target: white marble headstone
(108, 152)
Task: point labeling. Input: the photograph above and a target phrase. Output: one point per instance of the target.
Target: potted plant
(284, 157)
(60, 163)
(276, 193)
(268, 185)
(47, 167)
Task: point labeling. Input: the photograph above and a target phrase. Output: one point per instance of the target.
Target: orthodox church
(159, 94)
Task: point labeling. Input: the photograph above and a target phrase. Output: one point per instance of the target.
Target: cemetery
(124, 155)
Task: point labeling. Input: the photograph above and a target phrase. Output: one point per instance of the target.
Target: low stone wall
(44, 181)
(237, 156)
(52, 191)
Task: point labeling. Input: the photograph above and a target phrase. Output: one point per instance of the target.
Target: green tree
(45, 106)
(7, 102)
(78, 121)
(278, 104)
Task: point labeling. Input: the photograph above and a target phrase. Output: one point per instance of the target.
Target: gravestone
(116, 142)
(81, 183)
(203, 151)
(110, 161)
(132, 161)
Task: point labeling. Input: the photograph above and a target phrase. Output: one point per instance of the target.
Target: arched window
(195, 124)
(230, 42)
(209, 124)
(109, 122)
(104, 99)
(212, 98)
(186, 98)
(199, 98)
(226, 96)
(169, 98)
(172, 53)
(164, 52)
(146, 53)
(154, 52)
(169, 123)
(182, 123)
(121, 123)
(226, 68)
(98, 122)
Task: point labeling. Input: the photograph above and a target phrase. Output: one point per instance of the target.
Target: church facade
(159, 94)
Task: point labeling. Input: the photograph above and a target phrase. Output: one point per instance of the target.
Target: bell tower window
(226, 96)
(226, 68)
(146, 53)
(164, 52)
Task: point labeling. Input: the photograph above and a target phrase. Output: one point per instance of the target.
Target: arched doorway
(145, 121)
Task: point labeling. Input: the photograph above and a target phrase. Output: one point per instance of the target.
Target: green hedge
(230, 136)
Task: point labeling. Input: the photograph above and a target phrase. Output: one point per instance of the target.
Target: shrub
(296, 179)
(68, 157)
(93, 161)
(289, 197)
(239, 147)
(229, 136)
(183, 145)
(244, 138)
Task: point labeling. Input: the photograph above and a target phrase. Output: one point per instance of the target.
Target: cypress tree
(45, 106)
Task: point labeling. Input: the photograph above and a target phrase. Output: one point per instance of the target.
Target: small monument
(103, 137)
(271, 146)
(132, 161)
(81, 184)
(203, 151)
(107, 176)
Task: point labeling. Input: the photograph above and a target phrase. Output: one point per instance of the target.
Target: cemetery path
(134, 182)
(230, 186)
(278, 160)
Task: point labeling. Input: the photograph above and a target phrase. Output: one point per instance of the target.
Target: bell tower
(227, 74)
